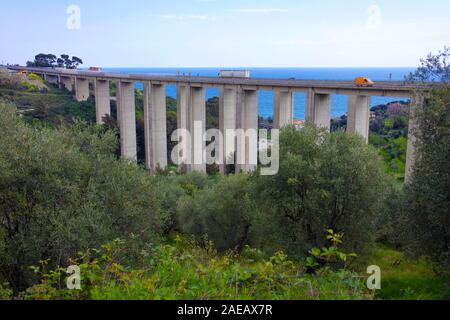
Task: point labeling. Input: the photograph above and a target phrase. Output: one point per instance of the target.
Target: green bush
(330, 256)
(29, 87)
(174, 188)
(185, 271)
(220, 212)
(35, 77)
(325, 181)
(62, 191)
(427, 194)
(5, 292)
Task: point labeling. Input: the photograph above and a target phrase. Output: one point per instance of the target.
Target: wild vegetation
(308, 232)
(183, 270)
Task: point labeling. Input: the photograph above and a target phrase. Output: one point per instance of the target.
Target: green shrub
(62, 191)
(330, 256)
(185, 271)
(220, 212)
(377, 140)
(325, 181)
(427, 194)
(35, 77)
(29, 87)
(5, 292)
(173, 188)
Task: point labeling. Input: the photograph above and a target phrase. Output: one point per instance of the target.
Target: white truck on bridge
(234, 74)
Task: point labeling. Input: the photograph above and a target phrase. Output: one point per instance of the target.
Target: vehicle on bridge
(95, 69)
(364, 82)
(234, 74)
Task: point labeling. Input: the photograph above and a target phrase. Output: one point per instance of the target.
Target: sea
(265, 101)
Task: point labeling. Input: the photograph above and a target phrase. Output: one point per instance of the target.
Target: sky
(226, 33)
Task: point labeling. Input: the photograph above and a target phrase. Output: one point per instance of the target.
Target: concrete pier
(251, 128)
(197, 124)
(321, 113)
(358, 119)
(51, 79)
(227, 121)
(183, 124)
(126, 118)
(155, 126)
(309, 112)
(247, 121)
(102, 99)
(67, 82)
(283, 108)
(81, 89)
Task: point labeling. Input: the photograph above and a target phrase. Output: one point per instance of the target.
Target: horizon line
(259, 67)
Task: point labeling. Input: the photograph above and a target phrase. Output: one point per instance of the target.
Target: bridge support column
(283, 108)
(321, 110)
(52, 79)
(227, 121)
(183, 124)
(81, 89)
(247, 121)
(66, 82)
(412, 139)
(309, 112)
(197, 124)
(358, 118)
(155, 126)
(102, 99)
(126, 118)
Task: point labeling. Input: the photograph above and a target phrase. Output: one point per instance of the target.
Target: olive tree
(427, 200)
(326, 181)
(220, 212)
(62, 191)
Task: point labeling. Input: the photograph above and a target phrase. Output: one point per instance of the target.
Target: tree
(76, 62)
(62, 191)
(66, 62)
(434, 68)
(60, 63)
(325, 181)
(220, 212)
(428, 193)
(44, 60)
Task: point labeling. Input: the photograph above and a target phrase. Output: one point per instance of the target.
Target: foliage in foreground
(221, 212)
(326, 181)
(62, 191)
(408, 279)
(427, 199)
(183, 270)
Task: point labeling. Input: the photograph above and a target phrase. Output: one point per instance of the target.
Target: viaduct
(238, 106)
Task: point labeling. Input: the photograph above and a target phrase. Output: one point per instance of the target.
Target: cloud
(259, 10)
(186, 17)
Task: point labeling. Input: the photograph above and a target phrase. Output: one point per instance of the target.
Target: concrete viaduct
(238, 105)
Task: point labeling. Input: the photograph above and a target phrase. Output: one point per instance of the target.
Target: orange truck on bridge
(364, 82)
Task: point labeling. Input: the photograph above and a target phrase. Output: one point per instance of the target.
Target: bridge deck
(391, 88)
